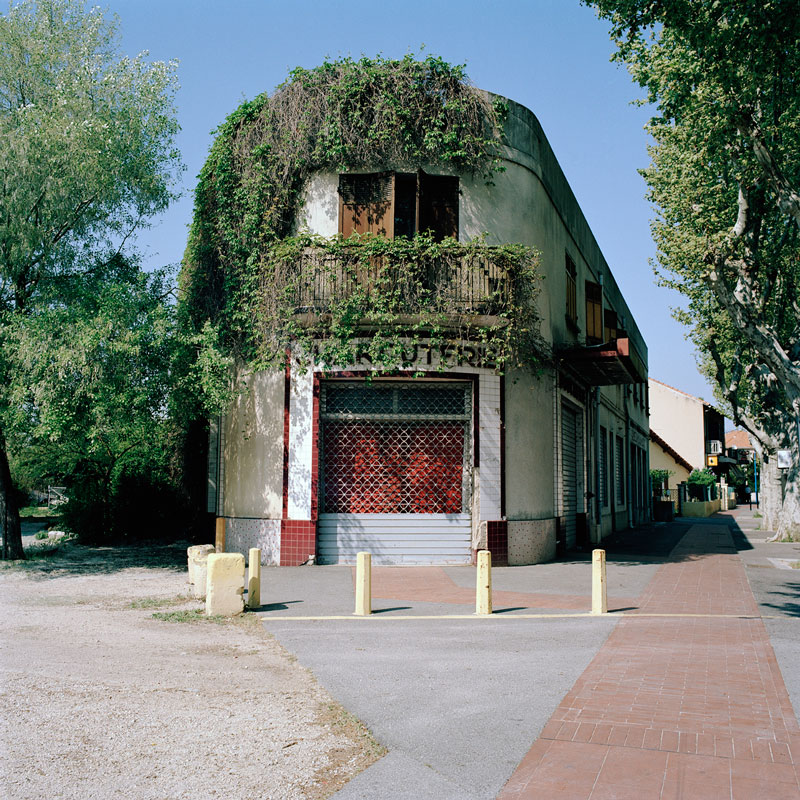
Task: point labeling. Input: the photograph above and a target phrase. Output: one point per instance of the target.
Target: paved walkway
(675, 706)
(435, 585)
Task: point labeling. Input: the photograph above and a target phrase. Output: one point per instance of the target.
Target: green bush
(702, 485)
(658, 480)
(138, 502)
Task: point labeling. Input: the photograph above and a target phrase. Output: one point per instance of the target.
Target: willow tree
(87, 155)
(725, 180)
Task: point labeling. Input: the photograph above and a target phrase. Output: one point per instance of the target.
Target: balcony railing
(464, 281)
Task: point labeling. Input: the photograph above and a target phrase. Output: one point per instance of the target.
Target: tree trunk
(9, 512)
(780, 500)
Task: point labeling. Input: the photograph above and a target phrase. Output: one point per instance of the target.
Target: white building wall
(677, 418)
(301, 412)
(252, 447)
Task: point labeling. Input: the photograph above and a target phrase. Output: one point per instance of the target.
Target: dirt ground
(100, 699)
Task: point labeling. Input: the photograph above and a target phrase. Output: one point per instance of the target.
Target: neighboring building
(690, 426)
(739, 448)
(662, 456)
(739, 441)
(427, 469)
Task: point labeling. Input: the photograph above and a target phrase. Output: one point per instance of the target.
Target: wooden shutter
(366, 204)
(609, 325)
(594, 311)
(438, 205)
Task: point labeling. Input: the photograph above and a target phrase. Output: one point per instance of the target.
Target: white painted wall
(529, 441)
(301, 410)
(677, 418)
(253, 449)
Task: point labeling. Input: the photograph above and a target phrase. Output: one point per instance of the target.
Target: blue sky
(550, 55)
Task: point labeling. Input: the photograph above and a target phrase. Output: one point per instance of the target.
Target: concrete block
(531, 541)
(197, 556)
(225, 584)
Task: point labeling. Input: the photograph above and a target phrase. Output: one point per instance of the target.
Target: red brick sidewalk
(675, 707)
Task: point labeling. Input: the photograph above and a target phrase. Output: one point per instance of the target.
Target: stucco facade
(551, 458)
(689, 425)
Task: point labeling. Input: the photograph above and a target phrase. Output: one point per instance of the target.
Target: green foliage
(87, 155)
(702, 483)
(368, 114)
(89, 372)
(86, 142)
(38, 512)
(382, 298)
(702, 477)
(658, 479)
(725, 178)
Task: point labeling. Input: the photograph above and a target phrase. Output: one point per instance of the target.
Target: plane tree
(724, 178)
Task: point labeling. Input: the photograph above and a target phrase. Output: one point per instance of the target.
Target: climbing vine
(386, 300)
(244, 272)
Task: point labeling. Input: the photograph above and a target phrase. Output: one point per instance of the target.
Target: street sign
(711, 461)
(784, 459)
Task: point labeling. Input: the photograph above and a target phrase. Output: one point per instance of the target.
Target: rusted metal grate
(395, 448)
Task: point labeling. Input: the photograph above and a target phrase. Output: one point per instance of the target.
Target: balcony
(399, 281)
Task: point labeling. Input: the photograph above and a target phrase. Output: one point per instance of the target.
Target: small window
(594, 312)
(572, 294)
(399, 204)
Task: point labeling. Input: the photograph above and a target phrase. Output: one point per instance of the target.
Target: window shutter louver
(367, 204)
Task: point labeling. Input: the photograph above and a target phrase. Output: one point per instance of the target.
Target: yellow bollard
(254, 578)
(219, 539)
(599, 594)
(363, 585)
(483, 588)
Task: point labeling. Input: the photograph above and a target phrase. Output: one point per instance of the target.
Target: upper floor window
(594, 312)
(394, 204)
(572, 294)
(609, 325)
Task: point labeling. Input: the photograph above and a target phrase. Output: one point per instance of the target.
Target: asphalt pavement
(458, 700)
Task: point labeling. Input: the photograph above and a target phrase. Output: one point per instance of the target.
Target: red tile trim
(497, 541)
(298, 541)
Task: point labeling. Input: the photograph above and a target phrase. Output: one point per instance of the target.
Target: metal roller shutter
(571, 472)
(395, 472)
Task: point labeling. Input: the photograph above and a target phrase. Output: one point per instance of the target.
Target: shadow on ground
(70, 558)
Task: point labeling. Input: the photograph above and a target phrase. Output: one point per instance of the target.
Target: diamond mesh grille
(394, 448)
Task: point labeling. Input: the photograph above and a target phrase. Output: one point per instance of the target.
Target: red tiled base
(497, 541)
(675, 707)
(298, 541)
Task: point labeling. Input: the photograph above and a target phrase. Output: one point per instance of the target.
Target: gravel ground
(102, 700)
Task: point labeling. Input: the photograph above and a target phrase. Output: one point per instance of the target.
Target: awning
(606, 364)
